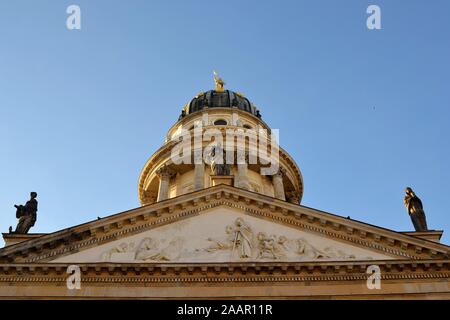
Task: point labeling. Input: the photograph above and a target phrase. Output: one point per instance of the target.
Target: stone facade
(411, 267)
(243, 235)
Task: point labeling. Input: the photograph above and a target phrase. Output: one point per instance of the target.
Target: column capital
(280, 173)
(293, 196)
(165, 172)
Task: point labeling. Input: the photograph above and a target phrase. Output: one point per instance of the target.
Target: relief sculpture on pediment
(239, 242)
(243, 243)
(122, 250)
(149, 249)
(270, 247)
(238, 239)
(152, 250)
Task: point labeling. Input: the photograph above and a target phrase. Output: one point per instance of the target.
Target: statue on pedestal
(27, 214)
(219, 83)
(218, 159)
(415, 210)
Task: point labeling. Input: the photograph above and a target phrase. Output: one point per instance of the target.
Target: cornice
(226, 272)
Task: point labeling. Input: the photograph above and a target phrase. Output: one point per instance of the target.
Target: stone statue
(26, 214)
(218, 159)
(415, 210)
(182, 115)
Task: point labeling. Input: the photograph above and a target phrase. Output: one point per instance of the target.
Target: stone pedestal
(216, 180)
(13, 238)
(431, 235)
(242, 177)
(199, 176)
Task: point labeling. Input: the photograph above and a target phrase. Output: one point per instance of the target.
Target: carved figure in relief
(242, 240)
(338, 254)
(121, 248)
(173, 250)
(239, 242)
(149, 249)
(218, 245)
(223, 244)
(307, 250)
(270, 246)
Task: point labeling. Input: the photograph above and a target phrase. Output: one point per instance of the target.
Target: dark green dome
(220, 99)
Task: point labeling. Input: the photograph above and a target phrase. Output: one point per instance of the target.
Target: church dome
(224, 114)
(220, 99)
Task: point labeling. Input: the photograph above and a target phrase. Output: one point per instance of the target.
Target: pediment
(222, 234)
(203, 226)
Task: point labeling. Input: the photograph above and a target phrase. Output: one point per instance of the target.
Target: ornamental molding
(215, 110)
(226, 272)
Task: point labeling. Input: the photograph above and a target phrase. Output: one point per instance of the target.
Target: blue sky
(364, 113)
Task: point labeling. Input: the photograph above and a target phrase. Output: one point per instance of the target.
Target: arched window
(246, 126)
(220, 122)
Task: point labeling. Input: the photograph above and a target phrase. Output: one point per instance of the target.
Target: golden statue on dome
(219, 82)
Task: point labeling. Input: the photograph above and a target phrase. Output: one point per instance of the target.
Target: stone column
(199, 176)
(278, 186)
(241, 179)
(164, 173)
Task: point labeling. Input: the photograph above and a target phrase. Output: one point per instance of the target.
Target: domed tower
(207, 122)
